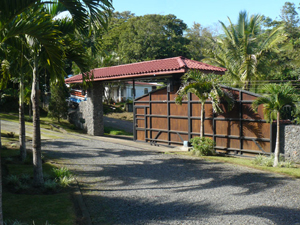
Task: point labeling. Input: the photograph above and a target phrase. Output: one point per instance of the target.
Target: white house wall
(126, 92)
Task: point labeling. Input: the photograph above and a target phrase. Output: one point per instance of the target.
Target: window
(145, 90)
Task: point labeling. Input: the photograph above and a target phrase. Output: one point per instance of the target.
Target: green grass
(45, 122)
(56, 208)
(114, 131)
(248, 162)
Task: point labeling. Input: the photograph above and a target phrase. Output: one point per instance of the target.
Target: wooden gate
(159, 121)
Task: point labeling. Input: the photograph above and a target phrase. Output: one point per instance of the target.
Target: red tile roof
(147, 68)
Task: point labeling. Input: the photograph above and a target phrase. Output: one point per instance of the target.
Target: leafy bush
(63, 176)
(50, 185)
(13, 180)
(61, 172)
(202, 146)
(65, 181)
(25, 178)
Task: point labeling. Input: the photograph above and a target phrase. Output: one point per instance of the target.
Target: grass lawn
(114, 131)
(54, 207)
(46, 123)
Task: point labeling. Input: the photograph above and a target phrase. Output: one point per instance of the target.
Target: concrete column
(94, 117)
(120, 94)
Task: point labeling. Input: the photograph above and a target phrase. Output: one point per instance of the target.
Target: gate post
(94, 117)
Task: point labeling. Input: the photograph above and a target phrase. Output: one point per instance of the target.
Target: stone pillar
(94, 117)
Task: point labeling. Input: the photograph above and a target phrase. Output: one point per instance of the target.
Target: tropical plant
(58, 106)
(45, 42)
(245, 50)
(203, 146)
(275, 97)
(205, 87)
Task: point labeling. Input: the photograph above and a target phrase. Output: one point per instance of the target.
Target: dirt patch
(128, 116)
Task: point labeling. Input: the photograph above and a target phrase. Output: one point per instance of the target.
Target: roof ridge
(134, 63)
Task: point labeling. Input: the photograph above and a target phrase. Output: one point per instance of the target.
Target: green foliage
(205, 87)
(63, 176)
(198, 41)
(140, 38)
(50, 185)
(114, 131)
(61, 172)
(13, 180)
(203, 146)
(245, 50)
(65, 181)
(269, 160)
(58, 106)
(275, 97)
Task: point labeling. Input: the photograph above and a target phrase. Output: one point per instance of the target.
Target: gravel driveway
(127, 184)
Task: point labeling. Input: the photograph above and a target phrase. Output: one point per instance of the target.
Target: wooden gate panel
(241, 130)
(177, 124)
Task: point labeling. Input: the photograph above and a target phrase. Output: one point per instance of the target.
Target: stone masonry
(89, 114)
(290, 141)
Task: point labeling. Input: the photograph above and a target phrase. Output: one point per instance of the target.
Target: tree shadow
(107, 168)
(278, 215)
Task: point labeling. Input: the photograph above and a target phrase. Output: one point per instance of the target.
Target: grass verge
(46, 123)
(114, 131)
(248, 162)
(54, 207)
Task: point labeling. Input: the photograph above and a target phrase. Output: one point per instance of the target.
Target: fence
(159, 121)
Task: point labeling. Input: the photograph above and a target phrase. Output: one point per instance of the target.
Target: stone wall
(290, 142)
(89, 114)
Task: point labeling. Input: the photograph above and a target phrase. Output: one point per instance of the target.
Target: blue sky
(205, 12)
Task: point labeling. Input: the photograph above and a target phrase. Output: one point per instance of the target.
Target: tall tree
(198, 36)
(152, 37)
(205, 87)
(291, 19)
(244, 49)
(275, 98)
(45, 40)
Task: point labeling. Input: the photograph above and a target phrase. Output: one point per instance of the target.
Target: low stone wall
(290, 141)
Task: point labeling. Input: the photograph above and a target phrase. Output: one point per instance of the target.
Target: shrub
(25, 178)
(50, 185)
(65, 181)
(63, 176)
(202, 146)
(13, 180)
(61, 172)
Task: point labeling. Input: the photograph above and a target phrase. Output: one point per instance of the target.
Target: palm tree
(275, 98)
(45, 41)
(244, 49)
(205, 87)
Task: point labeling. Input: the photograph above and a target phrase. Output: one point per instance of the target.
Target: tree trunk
(1, 214)
(1, 210)
(277, 148)
(36, 138)
(29, 111)
(0, 135)
(202, 120)
(22, 137)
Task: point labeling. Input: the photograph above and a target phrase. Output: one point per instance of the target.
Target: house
(120, 92)
(90, 112)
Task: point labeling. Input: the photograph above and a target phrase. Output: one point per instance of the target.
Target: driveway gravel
(127, 183)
